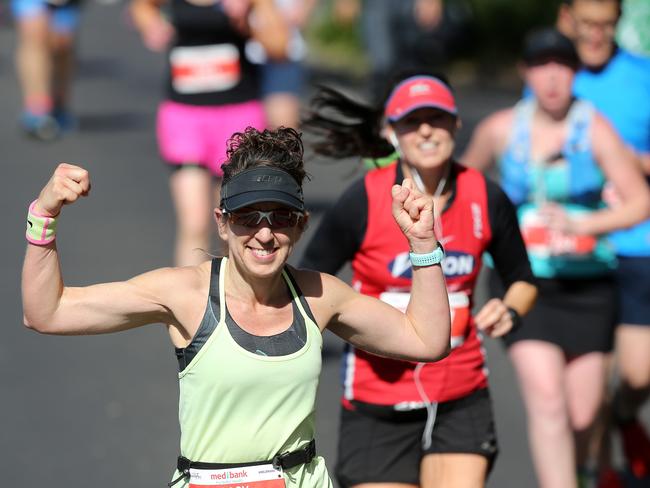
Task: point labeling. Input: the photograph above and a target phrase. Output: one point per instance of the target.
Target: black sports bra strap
(214, 277)
(208, 323)
(301, 296)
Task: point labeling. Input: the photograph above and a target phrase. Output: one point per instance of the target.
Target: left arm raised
(422, 332)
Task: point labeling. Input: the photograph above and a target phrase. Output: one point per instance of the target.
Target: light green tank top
(237, 406)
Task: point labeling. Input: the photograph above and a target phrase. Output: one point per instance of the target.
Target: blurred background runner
(45, 52)
(212, 91)
(617, 80)
(554, 153)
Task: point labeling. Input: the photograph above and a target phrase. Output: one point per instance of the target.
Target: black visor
(261, 184)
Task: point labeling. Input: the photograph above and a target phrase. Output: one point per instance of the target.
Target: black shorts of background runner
(380, 445)
(633, 281)
(578, 315)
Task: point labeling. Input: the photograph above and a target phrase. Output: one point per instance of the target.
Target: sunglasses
(277, 219)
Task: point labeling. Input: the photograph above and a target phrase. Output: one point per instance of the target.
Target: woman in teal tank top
(554, 154)
(246, 327)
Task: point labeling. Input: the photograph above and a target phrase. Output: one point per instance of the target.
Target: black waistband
(389, 412)
(286, 460)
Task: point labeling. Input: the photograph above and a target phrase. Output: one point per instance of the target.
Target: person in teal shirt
(555, 153)
(617, 82)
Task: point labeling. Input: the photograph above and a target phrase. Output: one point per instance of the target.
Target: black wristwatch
(516, 318)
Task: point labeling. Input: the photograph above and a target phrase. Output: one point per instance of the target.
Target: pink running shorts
(196, 134)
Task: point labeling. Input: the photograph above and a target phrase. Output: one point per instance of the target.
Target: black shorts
(578, 315)
(633, 280)
(376, 447)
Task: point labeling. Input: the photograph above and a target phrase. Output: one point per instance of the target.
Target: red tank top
(381, 268)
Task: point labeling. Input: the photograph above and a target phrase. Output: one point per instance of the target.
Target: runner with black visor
(236, 200)
(250, 359)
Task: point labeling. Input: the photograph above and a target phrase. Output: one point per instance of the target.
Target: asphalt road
(102, 411)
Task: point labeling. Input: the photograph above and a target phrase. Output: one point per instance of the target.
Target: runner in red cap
(419, 92)
(407, 424)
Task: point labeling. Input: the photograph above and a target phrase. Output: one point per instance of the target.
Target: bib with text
(258, 476)
(204, 69)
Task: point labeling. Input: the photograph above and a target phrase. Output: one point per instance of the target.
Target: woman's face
(260, 248)
(426, 137)
(552, 85)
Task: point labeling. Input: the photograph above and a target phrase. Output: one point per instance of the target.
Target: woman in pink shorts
(212, 91)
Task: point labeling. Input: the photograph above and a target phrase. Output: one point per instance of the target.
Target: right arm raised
(52, 308)
(422, 331)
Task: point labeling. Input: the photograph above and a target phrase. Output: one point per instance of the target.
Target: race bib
(460, 314)
(542, 241)
(203, 69)
(258, 476)
(459, 306)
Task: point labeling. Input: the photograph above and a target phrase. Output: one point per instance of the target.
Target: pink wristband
(41, 230)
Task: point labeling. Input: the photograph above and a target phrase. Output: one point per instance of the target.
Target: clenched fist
(413, 212)
(67, 184)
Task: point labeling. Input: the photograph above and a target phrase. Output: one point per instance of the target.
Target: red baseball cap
(419, 92)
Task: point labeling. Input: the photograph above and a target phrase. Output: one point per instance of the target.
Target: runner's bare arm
(487, 141)
(269, 27)
(494, 317)
(50, 307)
(422, 332)
(622, 169)
(155, 29)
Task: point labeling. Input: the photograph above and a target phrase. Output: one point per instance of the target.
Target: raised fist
(67, 184)
(413, 212)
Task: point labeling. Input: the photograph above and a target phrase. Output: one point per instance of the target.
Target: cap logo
(268, 179)
(418, 89)
(419, 92)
